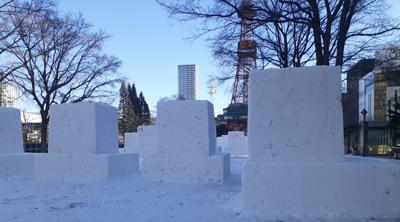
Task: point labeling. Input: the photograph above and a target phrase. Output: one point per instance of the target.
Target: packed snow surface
(124, 199)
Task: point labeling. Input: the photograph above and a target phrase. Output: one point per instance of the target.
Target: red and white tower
(246, 52)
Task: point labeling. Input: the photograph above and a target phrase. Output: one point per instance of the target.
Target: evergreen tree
(126, 116)
(134, 99)
(144, 110)
(129, 91)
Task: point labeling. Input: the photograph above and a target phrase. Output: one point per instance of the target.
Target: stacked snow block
(147, 140)
(186, 145)
(296, 167)
(236, 143)
(83, 145)
(144, 142)
(13, 160)
(131, 143)
(220, 144)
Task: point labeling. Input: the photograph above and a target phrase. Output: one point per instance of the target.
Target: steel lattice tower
(246, 53)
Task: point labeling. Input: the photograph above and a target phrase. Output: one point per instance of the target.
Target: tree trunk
(317, 32)
(43, 132)
(344, 25)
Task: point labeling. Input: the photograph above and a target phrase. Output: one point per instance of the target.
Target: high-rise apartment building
(9, 94)
(188, 82)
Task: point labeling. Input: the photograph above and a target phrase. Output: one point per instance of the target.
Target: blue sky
(151, 45)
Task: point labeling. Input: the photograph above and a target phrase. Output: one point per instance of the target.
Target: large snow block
(186, 145)
(296, 167)
(354, 188)
(86, 166)
(83, 128)
(219, 145)
(18, 164)
(146, 141)
(186, 127)
(187, 169)
(83, 145)
(10, 131)
(222, 143)
(147, 136)
(295, 114)
(236, 144)
(13, 160)
(131, 142)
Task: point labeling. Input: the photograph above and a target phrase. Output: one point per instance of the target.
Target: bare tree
(292, 32)
(8, 10)
(343, 29)
(61, 61)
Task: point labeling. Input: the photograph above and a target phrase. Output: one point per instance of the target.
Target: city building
(9, 94)
(372, 85)
(188, 82)
(235, 116)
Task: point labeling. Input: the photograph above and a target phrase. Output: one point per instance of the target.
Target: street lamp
(364, 113)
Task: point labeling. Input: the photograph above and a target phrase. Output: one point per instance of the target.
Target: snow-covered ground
(122, 199)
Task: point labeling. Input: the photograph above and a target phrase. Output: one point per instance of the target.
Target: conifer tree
(134, 99)
(144, 109)
(126, 116)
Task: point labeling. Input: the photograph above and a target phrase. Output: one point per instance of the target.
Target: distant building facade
(188, 82)
(235, 116)
(350, 99)
(375, 94)
(372, 88)
(9, 95)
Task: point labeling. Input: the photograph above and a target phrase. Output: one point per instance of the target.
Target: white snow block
(13, 160)
(187, 169)
(219, 145)
(147, 140)
(85, 167)
(10, 131)
(131, 142)
(83, 145)
(83, 128)
(296, 167)
(295, 114)
(17, 164)
(147, 136)
(186, 145)
(224, 142)
(236, 144)
(356, 188)
(186, 127)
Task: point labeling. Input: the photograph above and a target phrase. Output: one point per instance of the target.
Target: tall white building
(9, 94)
(188, 82)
